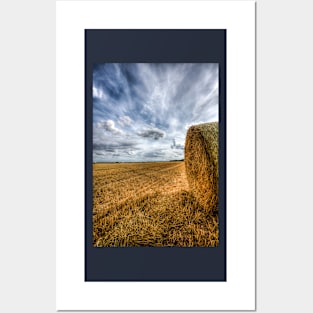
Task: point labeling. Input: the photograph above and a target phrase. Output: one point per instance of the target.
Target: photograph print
(155, 154)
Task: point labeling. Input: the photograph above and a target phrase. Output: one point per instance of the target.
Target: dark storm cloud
(153, 154)
(148, 106)
(112, 147)
(152, 133)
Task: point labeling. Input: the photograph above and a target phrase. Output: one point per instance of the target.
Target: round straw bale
(201, 163)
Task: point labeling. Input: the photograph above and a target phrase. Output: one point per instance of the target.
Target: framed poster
(144, 89)
(150, 118)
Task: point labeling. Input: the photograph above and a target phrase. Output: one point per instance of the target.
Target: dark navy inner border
(149, 263)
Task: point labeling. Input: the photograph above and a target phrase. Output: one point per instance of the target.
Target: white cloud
(125, 120)
(109, 126)
(98, 93)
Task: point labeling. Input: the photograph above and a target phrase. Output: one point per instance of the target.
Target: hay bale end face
(201, 163)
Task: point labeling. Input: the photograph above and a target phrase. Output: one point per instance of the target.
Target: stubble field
(148, 204)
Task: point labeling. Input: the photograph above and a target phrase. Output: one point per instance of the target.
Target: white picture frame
(238, 18)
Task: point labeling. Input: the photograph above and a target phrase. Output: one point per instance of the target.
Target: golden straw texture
(201, 163)
(148, 204)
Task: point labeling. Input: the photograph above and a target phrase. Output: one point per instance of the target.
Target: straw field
(149, 204)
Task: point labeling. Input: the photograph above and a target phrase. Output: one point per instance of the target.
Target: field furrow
(148, 204)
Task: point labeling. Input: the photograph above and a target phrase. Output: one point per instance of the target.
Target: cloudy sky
(141, 111)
